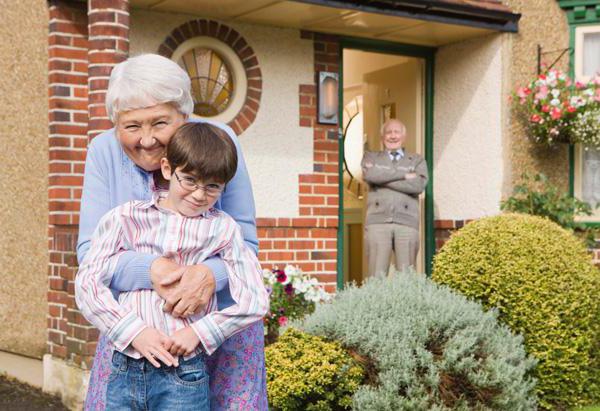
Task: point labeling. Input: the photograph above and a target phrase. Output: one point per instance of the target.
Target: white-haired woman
(148, 98)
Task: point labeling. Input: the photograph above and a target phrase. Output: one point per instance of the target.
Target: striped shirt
(145, 227)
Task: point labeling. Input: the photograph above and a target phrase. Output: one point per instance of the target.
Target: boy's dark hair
(204, 151)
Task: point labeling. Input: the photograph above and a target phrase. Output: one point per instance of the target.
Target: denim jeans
(137, 385)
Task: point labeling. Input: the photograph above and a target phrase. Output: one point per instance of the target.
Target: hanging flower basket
(554, 110)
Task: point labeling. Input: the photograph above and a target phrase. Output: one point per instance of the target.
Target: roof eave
(437, 11)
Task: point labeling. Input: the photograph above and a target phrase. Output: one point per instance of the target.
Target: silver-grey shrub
(432, 348)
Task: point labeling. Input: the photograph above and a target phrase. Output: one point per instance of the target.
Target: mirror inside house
(376, 87)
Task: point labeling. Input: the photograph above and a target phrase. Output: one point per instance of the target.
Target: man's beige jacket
(392, 198)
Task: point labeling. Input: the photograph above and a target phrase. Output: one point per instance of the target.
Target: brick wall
(80, 59)
(68, 104)
(310, 241)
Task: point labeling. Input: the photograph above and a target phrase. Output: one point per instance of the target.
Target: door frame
(408, 50)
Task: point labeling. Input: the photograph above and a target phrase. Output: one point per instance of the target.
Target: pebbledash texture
(428, 348)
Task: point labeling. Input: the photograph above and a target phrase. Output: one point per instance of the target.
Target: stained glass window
(212, 80)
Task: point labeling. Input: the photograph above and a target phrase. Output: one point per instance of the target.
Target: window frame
(577, 150)
(234, 63)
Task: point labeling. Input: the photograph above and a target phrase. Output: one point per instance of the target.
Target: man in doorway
(395, 179)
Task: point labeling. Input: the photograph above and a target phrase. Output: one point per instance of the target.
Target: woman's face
(145, 132)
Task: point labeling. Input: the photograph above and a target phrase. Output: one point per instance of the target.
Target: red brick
(312, 200)
(67, 155)
(305, 211)
(312, 178)
(308, 89)
(325, 190)
(305, 222)
(67, 53)
(280, 256)
(65, 180)
(306, 122)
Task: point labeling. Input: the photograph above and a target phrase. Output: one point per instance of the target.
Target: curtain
(591, 54)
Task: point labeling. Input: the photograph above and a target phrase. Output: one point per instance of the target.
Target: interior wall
(398, 85)
(24, 178)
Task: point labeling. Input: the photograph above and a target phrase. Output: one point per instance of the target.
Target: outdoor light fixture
(328, 97)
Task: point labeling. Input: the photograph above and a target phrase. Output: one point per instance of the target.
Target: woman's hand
(185, 289)
(164, 268)
(194, 290)
(185, 342)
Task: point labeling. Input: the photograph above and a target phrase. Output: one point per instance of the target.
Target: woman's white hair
(147, 80)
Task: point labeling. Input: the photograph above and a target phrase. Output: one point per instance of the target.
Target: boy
(180, 224)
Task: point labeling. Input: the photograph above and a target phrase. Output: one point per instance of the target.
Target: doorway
(378, 84)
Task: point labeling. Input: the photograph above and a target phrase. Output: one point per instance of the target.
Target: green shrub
(545, 287)
(305, 372)
(535, 195)
(428, 348)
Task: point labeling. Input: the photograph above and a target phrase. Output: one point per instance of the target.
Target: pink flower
(542, 93)
(523, 92)
(535, 118)
(579, 85)
(282, 321)
(597, 96)
(546, 108)
(571, 109)
(555, 113)
(542, 77)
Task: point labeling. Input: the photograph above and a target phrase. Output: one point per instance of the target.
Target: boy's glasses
(211, 190)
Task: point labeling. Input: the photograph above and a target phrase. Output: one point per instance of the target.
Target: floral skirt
(236, 369)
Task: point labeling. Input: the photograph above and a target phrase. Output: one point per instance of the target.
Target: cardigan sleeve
(377, 174)
(132, 271)
(413, 185)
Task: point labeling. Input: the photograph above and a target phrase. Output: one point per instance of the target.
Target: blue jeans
(138, 385)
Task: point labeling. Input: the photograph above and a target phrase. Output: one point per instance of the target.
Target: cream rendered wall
(24, 176)
(469, 167)
(276, 149)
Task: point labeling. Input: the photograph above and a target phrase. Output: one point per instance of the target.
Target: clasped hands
(186, 290)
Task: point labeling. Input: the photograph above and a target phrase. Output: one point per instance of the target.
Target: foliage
(554, 110)
(293, 294)
(545, 287)
(426, 348)
(305, 372)
(537, 196)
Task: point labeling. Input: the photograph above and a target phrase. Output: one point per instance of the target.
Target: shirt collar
(400, 151)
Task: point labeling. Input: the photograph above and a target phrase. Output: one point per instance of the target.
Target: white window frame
(580, 32)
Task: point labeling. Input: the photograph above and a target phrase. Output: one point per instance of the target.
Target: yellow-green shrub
(305, 372)
(545, 287)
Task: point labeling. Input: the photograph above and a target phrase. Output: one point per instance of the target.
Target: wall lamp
(328, 97)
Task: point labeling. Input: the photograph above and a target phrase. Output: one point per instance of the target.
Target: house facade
(306, 86)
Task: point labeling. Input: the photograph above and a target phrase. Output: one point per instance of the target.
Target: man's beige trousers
(382, 239)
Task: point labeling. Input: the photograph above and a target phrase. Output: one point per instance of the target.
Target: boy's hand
(185, 341)
(154, 345)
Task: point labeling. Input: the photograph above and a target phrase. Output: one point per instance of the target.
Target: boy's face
(187, 195)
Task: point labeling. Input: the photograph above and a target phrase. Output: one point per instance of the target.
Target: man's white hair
(147, 80)
(392, 120)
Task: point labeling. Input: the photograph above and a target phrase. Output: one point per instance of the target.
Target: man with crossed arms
(395, 179)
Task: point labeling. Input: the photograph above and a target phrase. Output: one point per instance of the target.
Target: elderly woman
(148, 98)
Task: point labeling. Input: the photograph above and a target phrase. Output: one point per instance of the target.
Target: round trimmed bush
(426, 348)
(305, 372)
(541, 280)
